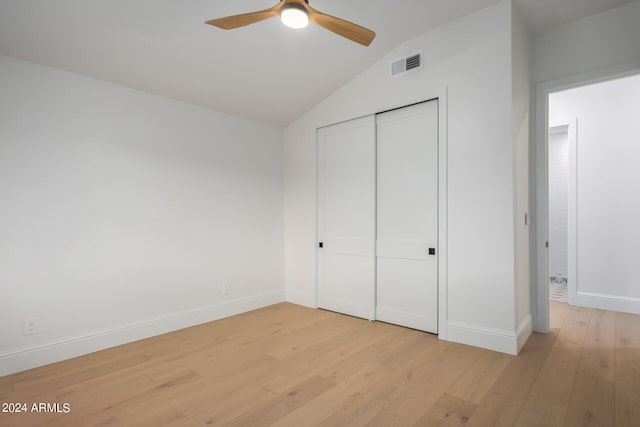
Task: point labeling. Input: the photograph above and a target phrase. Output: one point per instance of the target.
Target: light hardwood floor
(287, 365)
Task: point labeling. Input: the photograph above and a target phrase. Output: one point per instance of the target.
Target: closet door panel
(407, 216)
(403, 298)
(346, 217)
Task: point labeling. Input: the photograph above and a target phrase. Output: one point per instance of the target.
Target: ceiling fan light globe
(294, 16)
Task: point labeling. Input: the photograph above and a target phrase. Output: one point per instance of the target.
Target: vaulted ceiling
(265, 71)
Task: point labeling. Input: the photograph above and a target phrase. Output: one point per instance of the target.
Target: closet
(378, 217)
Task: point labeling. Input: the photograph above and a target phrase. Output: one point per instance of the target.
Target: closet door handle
(432, 251)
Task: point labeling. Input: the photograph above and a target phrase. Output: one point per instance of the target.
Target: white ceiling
(264, 71)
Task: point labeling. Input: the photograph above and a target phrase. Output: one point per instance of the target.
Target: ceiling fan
(297, 14)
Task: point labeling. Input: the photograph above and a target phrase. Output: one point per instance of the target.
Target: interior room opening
(593, 143)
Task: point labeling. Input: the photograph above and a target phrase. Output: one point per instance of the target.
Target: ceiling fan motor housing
(294, 6)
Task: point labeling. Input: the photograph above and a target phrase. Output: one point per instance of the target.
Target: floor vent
(401, 66)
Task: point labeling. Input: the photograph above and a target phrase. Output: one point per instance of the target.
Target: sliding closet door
(346, 217)
(407, 223)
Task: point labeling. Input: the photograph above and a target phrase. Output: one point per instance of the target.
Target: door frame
(540, 195)
(441, 96)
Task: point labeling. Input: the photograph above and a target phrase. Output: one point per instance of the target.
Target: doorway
(599, 264)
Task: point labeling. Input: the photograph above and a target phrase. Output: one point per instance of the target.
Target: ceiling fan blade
(236, 21)
(349, 30)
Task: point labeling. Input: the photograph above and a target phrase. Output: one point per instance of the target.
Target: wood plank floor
(287, 365)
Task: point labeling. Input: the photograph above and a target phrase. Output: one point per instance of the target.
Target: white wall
(471, 59)
(558, 201)
(602, 40)
(608, 210)
(123, 213)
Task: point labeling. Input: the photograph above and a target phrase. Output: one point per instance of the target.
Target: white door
(407, 222)
(346, 217)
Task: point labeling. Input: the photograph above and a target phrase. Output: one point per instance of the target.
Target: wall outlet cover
(226, 289)
(31, 326)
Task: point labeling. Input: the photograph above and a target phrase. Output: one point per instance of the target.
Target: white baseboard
(489, 338)
(17, 360)
(301, 298)
(608, 302)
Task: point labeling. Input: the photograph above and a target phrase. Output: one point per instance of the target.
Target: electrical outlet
(226, 289)
(31, 326)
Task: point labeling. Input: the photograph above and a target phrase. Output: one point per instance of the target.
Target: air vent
(401, 66)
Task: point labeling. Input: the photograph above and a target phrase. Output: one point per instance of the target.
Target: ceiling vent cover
(411, 62)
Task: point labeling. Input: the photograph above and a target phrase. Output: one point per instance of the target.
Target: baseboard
(477, 336)
(17, 360)
(608, 302)
(301, 298)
